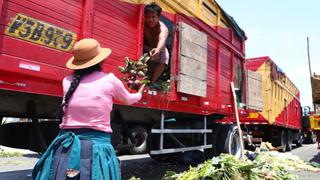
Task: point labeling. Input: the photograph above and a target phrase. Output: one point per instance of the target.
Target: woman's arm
(121, 94)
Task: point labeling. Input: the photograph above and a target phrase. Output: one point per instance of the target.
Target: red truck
(207, 53)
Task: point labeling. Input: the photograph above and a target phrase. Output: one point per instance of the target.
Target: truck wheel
(313, 138)
(229, 141)
(289, 140)
(281, 141)
(212, 139)
(300, 140)
(140, 136)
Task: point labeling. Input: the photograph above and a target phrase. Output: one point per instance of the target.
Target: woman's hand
(141, 88)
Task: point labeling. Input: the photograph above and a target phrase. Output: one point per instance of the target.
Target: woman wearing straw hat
(82, 150)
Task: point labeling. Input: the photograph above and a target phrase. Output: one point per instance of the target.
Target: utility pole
(310, 71)
(309, 57)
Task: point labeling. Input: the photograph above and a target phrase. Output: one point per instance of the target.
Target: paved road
(308, 153)
(139, 165)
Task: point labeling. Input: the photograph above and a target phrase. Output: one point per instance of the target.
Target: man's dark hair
(153, 7)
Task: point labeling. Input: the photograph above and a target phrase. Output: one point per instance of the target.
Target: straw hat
(87, 53)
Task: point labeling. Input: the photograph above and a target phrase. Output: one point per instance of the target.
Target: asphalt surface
(309, 153)
(142, 166)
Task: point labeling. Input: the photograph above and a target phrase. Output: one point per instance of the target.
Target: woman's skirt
(79, 154)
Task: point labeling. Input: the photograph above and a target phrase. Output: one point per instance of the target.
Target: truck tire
(229, 141)
(212, 139)
(281, 141)
(299, 142)
(289, 140)
(313, 138)
(140, 135)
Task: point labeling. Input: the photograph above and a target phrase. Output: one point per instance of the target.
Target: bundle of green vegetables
(270, 165)
(136, 71)
(224, 167)
(285, 161)
(227, 167)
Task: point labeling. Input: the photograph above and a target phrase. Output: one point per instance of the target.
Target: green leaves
(228, 167)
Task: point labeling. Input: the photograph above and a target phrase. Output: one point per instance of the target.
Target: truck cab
(307, 121)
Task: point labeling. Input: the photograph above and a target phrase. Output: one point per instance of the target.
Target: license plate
(39, 32)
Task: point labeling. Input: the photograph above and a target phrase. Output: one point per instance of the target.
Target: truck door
(192, 73)
(254, 91)
(238, 78)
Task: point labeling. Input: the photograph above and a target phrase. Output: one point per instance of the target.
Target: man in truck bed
(155, 36)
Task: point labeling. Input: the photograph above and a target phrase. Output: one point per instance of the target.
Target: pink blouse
(91, 103)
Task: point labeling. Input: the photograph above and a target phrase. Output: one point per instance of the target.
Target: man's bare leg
(157, 72)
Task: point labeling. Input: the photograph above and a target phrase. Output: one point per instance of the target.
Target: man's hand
(141, 88)
(154, 52)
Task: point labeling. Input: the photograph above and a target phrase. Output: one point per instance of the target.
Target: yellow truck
(307, 122)
(315, 122)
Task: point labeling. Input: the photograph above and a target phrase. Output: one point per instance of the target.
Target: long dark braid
(77, 76)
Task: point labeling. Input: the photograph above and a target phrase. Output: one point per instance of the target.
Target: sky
(279, 29)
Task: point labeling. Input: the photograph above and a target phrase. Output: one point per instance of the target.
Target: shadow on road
(147, 168)
(32, 155)
(316, 158)
(17, 175)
